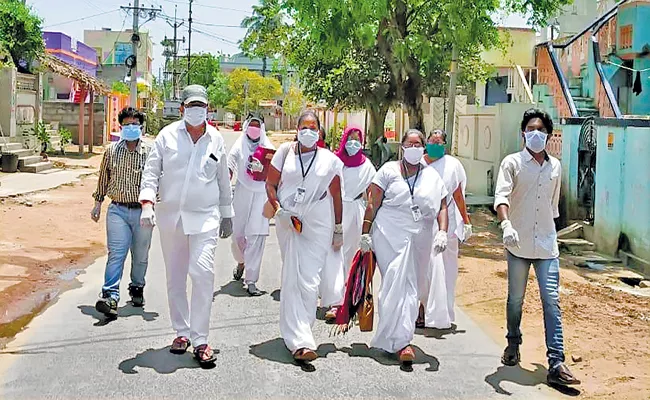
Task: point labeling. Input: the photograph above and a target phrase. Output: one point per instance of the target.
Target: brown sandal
(305, 355)
(204, 355)
(180, 345)
(406, 354)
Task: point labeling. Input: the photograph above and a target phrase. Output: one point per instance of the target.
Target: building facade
(72, 52)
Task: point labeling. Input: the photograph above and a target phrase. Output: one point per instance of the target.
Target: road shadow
(233, 289)
(524, 377)
(440, 334)
(275, 351)
(125, 311)
(384, 358)
(276, 295)
(160, 360)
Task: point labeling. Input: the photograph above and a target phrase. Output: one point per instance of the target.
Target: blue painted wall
(622, 185)
(640, 105)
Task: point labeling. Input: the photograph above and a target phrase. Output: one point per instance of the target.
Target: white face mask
(413, 155)
(308, 137)
(535, 141)
(352, 147)
(195, 116)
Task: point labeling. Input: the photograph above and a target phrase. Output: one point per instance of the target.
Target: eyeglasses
(132, 124)
(409, 145)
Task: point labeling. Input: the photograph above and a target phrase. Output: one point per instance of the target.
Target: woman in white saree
(304, 188)
(407, 201)
(358, 172)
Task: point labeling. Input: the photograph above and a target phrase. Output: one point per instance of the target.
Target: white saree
(303, 254)
(402, 250)
(335, 273)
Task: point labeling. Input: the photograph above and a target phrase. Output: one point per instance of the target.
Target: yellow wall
(519, 46)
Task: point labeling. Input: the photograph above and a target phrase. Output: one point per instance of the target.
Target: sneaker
(137, 295)
(107, 306)
(253, 290)
(238, 272)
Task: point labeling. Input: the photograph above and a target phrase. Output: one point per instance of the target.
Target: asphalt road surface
(71, 352)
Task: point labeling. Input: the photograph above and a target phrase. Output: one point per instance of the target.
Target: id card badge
(299, 197)
(417, 214)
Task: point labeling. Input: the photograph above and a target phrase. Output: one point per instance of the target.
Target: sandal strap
(204, 350)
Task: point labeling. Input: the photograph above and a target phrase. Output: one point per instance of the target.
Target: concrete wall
(106, 41)
(8, 101)
(622, 201)
(67, 115)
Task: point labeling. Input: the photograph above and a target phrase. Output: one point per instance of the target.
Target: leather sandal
(180, 345)
(204, 355)
(305, 355)
(406, 354)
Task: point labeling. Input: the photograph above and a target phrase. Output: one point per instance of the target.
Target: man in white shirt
(188, 169)
(526, 199)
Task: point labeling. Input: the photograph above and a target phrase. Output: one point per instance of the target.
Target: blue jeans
(548, 278)
(123, 234)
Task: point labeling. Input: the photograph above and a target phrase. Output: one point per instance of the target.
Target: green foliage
(248, 88)
(66, 136)
(40, 131)
(294, 102)
(153, 123)
(334, 134)
(218, 93)
(120, 87)
(267, 32)
(203, 68)
(20, 33)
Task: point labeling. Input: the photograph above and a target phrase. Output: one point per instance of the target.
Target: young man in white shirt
(188, 169)
(526, 200)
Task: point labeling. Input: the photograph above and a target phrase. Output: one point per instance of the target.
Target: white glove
(467, 232)
(283, 218)
(255, 165)
(147, 216)
(366, 243)
(225, 229)
(440, 242)
(337, 237)
(96, 212)
(510, 235)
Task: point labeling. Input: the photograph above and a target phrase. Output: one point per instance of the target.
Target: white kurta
(250, 228)
(439, 302)
(304, 253)
(193, 183)
(402, 250)
(335, 273)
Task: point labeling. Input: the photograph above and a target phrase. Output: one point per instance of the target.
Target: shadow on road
(276, 295)
(275, 350)
(232, 288)
(440, 333)
(524, 377)
(160, 360)
(384, 358)
(122, 312)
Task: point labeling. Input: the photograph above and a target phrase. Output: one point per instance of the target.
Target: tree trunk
(375, 129)
(413, 103)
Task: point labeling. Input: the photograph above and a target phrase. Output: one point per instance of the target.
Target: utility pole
(132, 61)
(451, 98)
(174, 54)
(189, 45)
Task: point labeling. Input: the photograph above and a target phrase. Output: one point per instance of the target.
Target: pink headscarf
(357, 159)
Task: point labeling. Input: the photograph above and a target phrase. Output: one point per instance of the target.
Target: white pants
(450, 261)
(249, 251)
(193, 255)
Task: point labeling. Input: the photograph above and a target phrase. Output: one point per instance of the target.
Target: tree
(414, 37)
(294, 102)
(218, 93)
(121, 88)
(20, 33)
(267, 32)
(203, 67)
(248, 89)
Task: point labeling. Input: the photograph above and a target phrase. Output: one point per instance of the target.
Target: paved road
(70, 352)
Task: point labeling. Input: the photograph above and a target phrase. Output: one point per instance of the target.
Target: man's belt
(128, 205)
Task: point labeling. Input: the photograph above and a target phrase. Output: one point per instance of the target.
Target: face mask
(435, 150)
(307, 137)
(413, 155)
(535, 141)
(131, 132)
(352, 147)
(254, 132)
(195, 116)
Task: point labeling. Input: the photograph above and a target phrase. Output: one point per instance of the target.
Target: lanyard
(302, 166)
(415, 181)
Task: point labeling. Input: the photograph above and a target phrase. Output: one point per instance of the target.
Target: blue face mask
(352, 147)
(131, 132)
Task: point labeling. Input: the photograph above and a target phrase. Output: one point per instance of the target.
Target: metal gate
(587, 168)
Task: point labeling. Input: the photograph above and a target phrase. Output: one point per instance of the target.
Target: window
(626, 36)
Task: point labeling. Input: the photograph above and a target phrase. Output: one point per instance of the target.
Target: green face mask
(435, 150)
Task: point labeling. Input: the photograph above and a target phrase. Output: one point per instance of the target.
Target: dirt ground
(606, 331)
(48, 236)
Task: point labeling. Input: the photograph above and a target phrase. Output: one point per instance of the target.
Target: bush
(66, 138)
(333, 137)
(153, 123)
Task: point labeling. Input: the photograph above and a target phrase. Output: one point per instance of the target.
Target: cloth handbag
(367, 310)
(268, 211)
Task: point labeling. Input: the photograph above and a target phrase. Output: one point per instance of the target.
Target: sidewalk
(22, 183)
